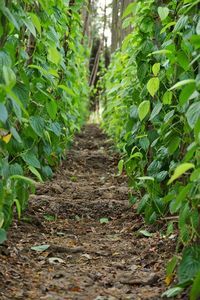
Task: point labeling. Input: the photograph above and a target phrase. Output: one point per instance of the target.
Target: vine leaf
(163, 12)
(143, 109)
(195, 291)
(3, 236)
(156, 69)
(153, 86)
(182, 83)
(193, 114)
(180, 170)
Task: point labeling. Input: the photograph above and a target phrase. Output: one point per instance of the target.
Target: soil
(94, 250)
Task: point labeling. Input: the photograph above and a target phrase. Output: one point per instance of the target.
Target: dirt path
(86, 260)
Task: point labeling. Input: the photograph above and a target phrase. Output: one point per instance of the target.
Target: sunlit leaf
(143, 109)
(180, 170)
(163, 12)
(153, 86)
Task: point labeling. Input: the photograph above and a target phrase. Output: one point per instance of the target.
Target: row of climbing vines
(152, 110)
(43, 93)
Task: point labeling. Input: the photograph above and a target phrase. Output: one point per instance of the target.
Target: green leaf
(190, 264)
(143, 109)
(130, 9)
(180, 170)
(170, 24)
(36, 173)
(156, 110)
(182, 83)
(163, 12)
(167, 98)
(3, 236)
(144, 143)
(161, 176)
(163, 51)
(40, 248)
(174, 144)
(54, 56)
(146, 178)
(193, 114)
(175, 205)
(67, 90)
(180, 24)
(104, 220)
(173, 292)
(171, 265)
(5, 59)
(29, 25)
(3, 113)
(145, 233)
(120, 166)
(195, 40)
(156, 69)
(52, 109)
(169, 115)
(183, 60)
(18, 208)
(9, 77)
(16, 135)
(50, 217)
(1, 219)
(38, 125)
(14, 98)
(186, 92)
(30, 158)
(198, 28)
(10, 17)
(195, 176)
(20, 177)
(195, 291)
(36, 21)
(153, 86)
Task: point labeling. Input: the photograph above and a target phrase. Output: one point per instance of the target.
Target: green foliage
(43, 93)
(152, 111)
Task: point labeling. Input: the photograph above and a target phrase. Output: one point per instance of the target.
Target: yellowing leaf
(180, 170)
(5, 135)
(153, 86)
(7, 138)
(168, 280)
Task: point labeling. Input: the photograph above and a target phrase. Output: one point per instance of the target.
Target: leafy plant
(43, 93)
(151, 110)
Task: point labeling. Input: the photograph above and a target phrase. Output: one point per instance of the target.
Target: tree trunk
(126, 31)
(115, 25)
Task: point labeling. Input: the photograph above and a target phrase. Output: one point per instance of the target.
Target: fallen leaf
(145, 233)
(55, 260)
(168, 280)
(75, 289)
(86, 256)
(104, 220)
(40, 248)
